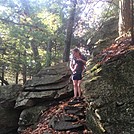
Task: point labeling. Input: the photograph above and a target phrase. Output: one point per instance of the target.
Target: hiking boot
(74, 99)
(80, 99)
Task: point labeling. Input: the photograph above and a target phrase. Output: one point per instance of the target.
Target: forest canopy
(38, 33)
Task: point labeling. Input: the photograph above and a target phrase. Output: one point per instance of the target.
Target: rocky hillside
(109, 89)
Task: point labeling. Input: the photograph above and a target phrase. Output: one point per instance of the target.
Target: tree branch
(21, 24)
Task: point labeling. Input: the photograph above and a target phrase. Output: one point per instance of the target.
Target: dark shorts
(77, 76)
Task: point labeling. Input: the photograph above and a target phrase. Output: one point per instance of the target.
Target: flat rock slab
(49, 78)
(54, 86)
(45, 80)
(73, 108)
(63, 124)
(69, 118)
(78, 113)
(74, 102)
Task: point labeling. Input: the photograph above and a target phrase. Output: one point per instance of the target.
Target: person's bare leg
(75, 84)
(79, 88)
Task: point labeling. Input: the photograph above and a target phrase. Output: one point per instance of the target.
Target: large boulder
(49, 86)
(109, 91)
(8, 115)
(104, 36)
(30, 117)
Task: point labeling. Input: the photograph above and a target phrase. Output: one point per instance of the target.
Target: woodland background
(38, 33)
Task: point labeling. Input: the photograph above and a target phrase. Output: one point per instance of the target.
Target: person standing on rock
(77, 66)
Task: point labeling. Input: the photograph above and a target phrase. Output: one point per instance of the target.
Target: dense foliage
(33, 32)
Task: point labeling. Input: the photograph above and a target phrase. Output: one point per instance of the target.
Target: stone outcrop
(46, 88)
(21, 107)
(109, 91)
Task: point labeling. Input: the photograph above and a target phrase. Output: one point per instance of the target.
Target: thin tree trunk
(124, 17)
(2, 75)
(36, 55)
(16, 79)
(48, 55)
(17, 71)
(69, 33)
(24, 69)
(132, 24)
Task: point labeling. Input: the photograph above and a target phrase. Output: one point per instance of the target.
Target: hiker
(77, 66)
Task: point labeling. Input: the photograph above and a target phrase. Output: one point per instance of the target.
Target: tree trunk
(124, 17)
(36, 55)
(4, 81)
(132, 24)
(2, 75)
(16, 78)
(66, 52)
(48, 54)
(24, 69)
(17, 69)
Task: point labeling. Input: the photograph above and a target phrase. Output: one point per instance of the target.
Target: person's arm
(72, 66)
